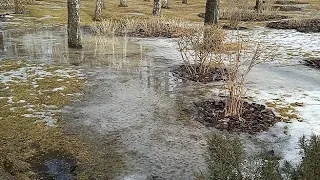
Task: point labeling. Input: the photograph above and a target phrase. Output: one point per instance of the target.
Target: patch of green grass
(286, 111)
(6, 66)
(21, 138)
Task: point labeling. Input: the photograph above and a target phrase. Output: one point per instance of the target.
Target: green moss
(6, 66)
(286, 111)
(21, 138)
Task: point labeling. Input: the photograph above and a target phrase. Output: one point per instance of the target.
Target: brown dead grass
(143, 9)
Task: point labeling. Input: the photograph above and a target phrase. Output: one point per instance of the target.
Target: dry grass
(143, 9)
(151, 27)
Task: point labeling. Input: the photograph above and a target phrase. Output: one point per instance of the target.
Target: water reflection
(1, 43)
(119, 53)
(50, 46)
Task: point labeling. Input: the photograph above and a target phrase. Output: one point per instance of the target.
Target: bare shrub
(242, 10)
(198, 49)
(20, 6)
(6, 4)
(239, 66)
(235, 57)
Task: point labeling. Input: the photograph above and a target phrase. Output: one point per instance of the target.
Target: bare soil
(307, 26)
(314, 63)
(255, 118)
(213, 74)
(287, 8)
(253, 17)
(284, 2)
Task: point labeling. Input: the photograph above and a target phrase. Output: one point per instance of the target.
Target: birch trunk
(74, 38)
(258, 6)
(156, 7)
(98, 11)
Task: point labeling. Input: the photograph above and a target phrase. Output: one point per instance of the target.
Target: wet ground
(132, 96)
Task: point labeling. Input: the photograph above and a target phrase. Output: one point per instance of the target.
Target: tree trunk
(184, 1)
(123, 3)
(212, 12)
(258, 6)
(74, 38)
(98, 11)
(156, 7)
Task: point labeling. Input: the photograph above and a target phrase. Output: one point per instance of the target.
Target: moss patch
(31, 96)
(285, 110)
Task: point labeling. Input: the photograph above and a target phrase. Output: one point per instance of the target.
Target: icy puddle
(132, 98)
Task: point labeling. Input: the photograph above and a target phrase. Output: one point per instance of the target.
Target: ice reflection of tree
(1, 43)
(114, 52)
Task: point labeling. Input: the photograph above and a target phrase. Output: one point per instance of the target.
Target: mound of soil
(314, 63)
(214, 74)
(255, 117)
(283, 2)
(287, 8)
(229, 27)
(166, 32)
(307, 26)
(252, 16)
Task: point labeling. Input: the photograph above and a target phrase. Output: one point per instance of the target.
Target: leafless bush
(209, 47)
(243, 10)
(237, 70)
(238, 62)
(6, 4)
(199, 49)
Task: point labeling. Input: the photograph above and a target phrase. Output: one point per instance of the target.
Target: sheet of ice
(284, 137)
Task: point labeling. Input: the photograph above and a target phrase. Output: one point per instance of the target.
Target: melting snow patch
(284, 137)
(58, 89)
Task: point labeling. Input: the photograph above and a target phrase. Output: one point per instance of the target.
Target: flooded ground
(132, 97)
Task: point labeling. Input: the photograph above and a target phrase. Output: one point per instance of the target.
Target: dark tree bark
(184, 1)
(98, 11)
(156, 7)
(212, 12)
(74, 38)
(123, 3)
(258, 6)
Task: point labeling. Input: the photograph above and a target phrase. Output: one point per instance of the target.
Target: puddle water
(59, 169)
(132, 95)
(55, 165)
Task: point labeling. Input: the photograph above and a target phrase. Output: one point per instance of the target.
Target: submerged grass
(31, 97)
